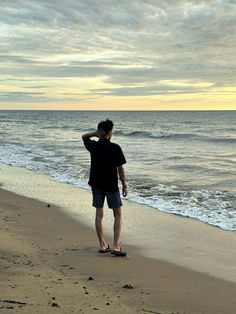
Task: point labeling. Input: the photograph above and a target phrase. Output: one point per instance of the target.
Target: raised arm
(97, 133)
(88, 135)
(121, 172)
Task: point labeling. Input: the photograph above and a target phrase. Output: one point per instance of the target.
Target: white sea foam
(222, 217)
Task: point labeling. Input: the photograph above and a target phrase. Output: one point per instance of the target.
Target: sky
(118, 55)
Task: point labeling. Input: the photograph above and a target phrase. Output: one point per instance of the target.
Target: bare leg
(117, 228)
(99, 228)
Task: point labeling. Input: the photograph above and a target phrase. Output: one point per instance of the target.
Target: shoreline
(157, 235)
(47, 258)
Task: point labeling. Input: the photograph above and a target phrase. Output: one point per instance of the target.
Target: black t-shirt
(105, 158)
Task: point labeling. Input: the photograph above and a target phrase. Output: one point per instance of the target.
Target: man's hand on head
(97, 133)
(100, 133)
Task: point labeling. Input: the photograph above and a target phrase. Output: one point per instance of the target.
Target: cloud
(19, 96)
(131, 45)
(37, 86)
(147, 90)
(37, 97)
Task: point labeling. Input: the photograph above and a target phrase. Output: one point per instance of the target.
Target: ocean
(180, 162)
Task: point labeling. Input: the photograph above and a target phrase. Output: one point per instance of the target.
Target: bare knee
(117, 212)
(99, 213)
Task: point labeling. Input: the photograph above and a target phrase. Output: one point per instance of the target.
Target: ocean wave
(176, 136)
(216, 208)
(156, 135)
(189, 168)
(85, 130)
(222, 140)
(132, 133)
(46, 162)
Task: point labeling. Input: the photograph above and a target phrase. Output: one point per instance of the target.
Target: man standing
(107, 160)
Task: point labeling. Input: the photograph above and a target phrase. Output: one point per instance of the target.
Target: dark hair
(106, 126)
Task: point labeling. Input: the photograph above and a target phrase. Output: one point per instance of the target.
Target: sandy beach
(104, 96)
(49, 263)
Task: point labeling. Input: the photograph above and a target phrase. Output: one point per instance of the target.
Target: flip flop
(118, 253)
(106, 250)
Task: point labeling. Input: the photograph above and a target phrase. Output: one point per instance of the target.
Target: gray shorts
(113, 199)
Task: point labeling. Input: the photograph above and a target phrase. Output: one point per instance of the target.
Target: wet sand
(49, 263)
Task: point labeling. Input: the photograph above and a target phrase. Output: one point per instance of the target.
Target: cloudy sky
(110, 54)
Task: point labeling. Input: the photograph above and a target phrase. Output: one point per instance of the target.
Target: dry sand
(47, 259)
